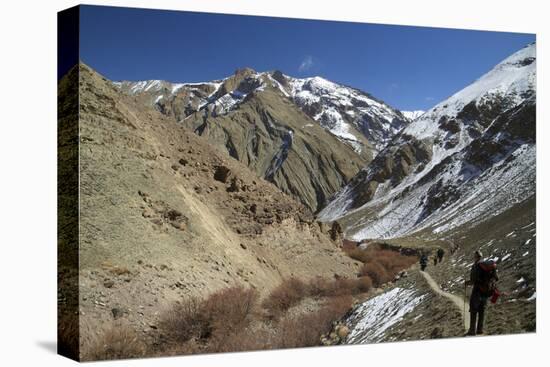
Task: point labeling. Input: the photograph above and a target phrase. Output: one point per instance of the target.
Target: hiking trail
(458, 301)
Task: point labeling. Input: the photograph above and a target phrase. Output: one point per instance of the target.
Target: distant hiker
(423, 262)
(435, 260)
(483, 277)
(454, 248)
(440, 253)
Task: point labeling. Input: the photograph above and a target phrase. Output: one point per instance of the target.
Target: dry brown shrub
(220, 314)
(363, 284)
(305, 330)
(227, 320)
(358, 254)
(287, 294)
(230, 309)
(348, 245)
(344, 286)
(244, 340)
(320, 287)
(381, 265)
(339, 306)
(376, 272)
(186, 320)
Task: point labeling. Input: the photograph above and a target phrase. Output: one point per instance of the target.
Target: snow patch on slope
(370, 320)
(346, 112)
(413, 115)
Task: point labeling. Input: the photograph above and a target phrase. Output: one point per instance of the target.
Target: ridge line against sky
(410, 68)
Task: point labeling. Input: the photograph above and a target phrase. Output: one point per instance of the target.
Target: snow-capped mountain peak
(468, 158)
(514, 78)
(349, 113)
(353, 116)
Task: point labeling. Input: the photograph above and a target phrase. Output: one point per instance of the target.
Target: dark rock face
(509, 130)
(278, 76)
(393, 164)
(527, 61)
(268, 133)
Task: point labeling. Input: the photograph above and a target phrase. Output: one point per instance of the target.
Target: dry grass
(117, 342)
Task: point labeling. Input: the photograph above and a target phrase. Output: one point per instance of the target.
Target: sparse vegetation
(217, 316)
(234, 319)
(305, 330)
(291, 291)
(117, 342)
(380, 265)
(285, 295)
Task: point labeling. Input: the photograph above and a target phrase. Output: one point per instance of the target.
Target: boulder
(342, 331)
(222, 174)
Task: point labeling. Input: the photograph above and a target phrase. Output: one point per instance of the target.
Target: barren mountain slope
(308, 136)
(281, 143)
(166, 215)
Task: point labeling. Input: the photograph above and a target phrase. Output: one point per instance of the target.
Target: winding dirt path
(458, 301)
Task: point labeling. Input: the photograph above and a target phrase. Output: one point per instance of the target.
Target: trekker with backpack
(423, 262)
(440, 253)
(483, 278)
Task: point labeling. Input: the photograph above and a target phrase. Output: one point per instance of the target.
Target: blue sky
(407, 67)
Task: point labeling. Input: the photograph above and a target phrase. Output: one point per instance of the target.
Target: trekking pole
(464, 302)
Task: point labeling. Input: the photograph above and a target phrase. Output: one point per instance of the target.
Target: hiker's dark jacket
(476, 276)
(478, 299)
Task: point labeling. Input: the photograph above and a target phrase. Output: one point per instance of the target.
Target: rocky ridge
(279, 126)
